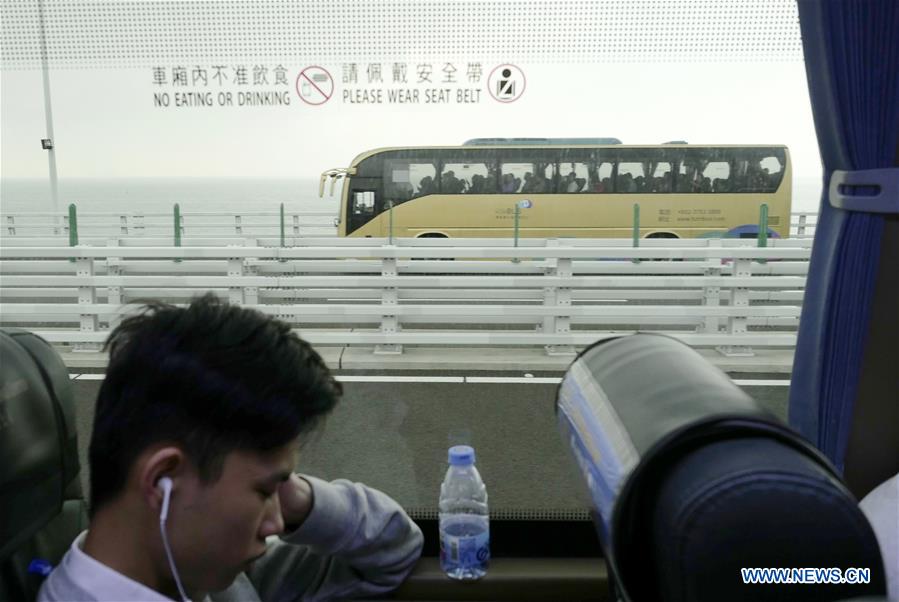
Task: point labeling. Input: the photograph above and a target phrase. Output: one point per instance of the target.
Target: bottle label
(465, 544)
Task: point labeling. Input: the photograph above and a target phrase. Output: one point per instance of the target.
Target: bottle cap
(461, 455)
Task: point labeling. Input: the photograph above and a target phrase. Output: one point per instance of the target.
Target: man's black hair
(211, 378)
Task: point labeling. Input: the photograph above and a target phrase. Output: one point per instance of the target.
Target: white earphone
(166, 484)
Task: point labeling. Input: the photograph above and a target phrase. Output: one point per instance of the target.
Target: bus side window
(575, 178)
(630, 177)
(512, 176)
(539, 181)
(716, 177)
(771, 174)
(601, 178)
(683, 179)
(661, 177)
(422, 178)
(458, 178)
(397, 188)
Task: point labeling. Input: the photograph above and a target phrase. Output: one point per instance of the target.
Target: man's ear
(168, 461)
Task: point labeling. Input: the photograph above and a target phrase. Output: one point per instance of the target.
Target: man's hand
(295, 495)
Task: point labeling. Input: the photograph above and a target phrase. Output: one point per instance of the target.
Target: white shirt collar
(103, 582)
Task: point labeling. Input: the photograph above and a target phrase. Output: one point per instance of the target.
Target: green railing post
(390, 222)
(73, 228)
(517, 217)
(177, 219)
(636, 229)
(73, 225)
(283, 239)
(763, 228)
(763, 225)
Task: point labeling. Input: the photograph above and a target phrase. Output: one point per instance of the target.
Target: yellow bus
(576, 189)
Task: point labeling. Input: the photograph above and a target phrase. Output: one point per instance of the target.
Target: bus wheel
(434, 235)
(663, 235)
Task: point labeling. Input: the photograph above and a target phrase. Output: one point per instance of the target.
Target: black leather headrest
(755, 502)
(636, 412)
(38, 442)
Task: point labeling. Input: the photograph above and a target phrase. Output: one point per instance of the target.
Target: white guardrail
(560, 295)
(202, 224)
(196, 224)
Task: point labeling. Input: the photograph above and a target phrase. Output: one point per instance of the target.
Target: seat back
(754, 502)
(40, 491)
(691, 480)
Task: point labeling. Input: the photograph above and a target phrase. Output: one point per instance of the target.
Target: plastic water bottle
(464, 521)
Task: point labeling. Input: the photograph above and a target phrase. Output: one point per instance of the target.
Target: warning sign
(506, 83)
(315, 85)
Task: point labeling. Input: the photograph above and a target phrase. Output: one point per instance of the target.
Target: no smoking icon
(315, 85)
(506, 83)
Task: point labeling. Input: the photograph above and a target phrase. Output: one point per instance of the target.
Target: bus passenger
(451, 184)
(626, 183)
(490, 181)
(721, 185)
(426, 186)
(528, 182)
(201, 414)
(509, 184)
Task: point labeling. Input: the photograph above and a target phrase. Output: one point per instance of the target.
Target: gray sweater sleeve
(355, 541)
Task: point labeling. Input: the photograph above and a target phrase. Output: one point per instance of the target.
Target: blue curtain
(851, 52)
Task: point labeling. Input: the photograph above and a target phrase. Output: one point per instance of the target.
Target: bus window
(715, 177)
(600, 178)
(685, 176)
(758, 170)
(575, 177)
(630, 178)
(404, 179)
(364, 203)
(661, 177)
(397, 184)
(457, 178)
(772, 172)
(540, 181)
(512, 176)
(422, 176)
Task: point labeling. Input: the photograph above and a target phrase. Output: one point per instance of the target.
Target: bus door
(364, 203)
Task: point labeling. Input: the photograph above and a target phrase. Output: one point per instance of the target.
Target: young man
(212, 403)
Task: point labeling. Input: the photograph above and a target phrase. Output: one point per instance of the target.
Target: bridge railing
(297, 223)
(555, 295)
(105, 224)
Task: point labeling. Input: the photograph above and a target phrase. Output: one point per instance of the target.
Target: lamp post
(523, 204)
(390, 223)
(47, 143)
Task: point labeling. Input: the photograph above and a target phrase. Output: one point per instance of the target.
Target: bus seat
(754, 502)
(43, 506)
(691, 480)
